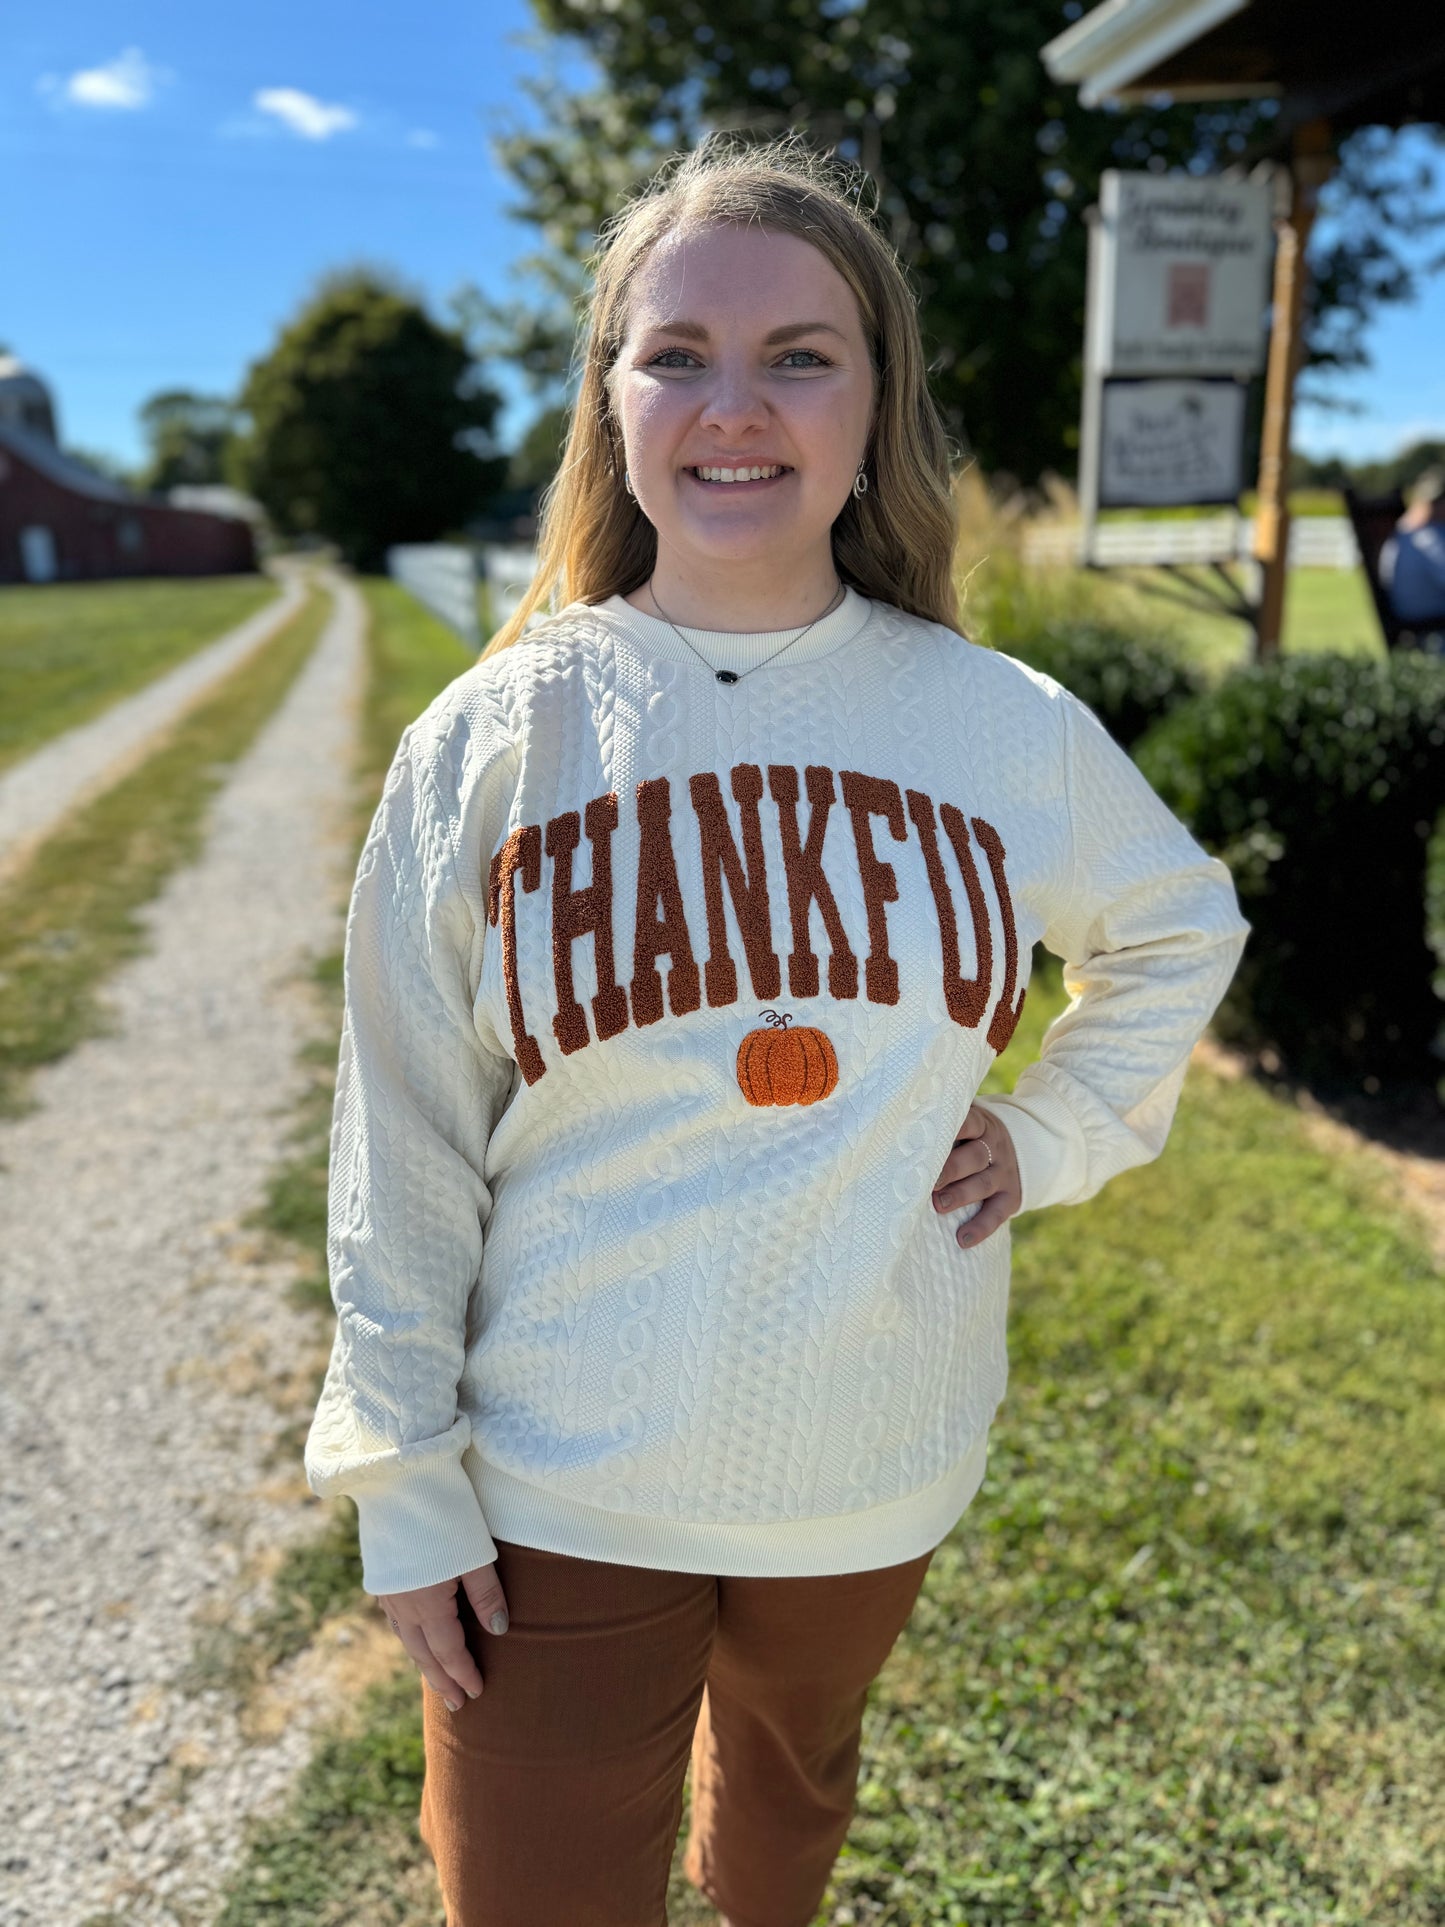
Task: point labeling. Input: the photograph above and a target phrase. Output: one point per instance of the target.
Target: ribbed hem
(882, 1535)
(736, 649)
(423, 1527)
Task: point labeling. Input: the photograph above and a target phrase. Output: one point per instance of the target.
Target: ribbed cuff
(1048, 1142)
(425, 1526)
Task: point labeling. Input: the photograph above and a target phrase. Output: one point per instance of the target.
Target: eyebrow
(695, 331)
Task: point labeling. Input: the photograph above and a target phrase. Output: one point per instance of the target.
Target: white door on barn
(37, 553)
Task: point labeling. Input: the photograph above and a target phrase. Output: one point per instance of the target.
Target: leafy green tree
(984, 167)
(370, 422)
(188, 436)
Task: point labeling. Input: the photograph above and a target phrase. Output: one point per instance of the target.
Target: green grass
(414, 655)
(69, 917)
(348, 1854)
(1324, 609)
(1327, 609)
(1302, 501)
(69, 650)
(1180, 1661)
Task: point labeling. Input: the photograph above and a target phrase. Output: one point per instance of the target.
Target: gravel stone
(150, 1346)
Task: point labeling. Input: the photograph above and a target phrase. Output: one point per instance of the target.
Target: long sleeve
(416, 1096)
(1150, 933)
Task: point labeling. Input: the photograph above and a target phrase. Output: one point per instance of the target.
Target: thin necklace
(733, 675)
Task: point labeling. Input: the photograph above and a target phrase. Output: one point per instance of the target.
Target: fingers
(416, 1644)
(484, 1589)
(971, 1189)
(980, 1170)
(429, 1626)
(970, 1172)
(453, 1660)
(983, 1223)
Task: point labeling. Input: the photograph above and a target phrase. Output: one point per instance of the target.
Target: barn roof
(56, 466)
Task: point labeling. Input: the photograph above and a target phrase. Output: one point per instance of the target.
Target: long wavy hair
(893, 544)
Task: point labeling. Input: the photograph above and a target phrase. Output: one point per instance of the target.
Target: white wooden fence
(1315, 541)
(443, 576)
(509, 568)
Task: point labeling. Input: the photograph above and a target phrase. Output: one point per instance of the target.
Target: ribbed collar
(733, 649)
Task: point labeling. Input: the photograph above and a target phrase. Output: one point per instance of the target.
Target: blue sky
(177, 176)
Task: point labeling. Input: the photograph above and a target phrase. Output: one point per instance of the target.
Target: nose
(733, 402)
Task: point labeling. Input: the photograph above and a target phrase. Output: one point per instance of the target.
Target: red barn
(61, 521)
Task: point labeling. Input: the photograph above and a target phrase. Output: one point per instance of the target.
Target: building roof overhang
(1319, 57)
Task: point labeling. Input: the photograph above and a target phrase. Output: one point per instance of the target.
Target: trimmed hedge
(1320, 780)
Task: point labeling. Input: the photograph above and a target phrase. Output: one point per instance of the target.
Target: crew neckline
(742, 650)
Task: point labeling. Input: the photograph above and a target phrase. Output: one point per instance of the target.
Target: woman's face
(744, 349)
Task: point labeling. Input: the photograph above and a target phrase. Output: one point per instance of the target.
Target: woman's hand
(968, 1177)
(427, 1623)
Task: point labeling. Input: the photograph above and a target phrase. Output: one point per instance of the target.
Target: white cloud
(304, 114)
(129, 82)
(422, 137)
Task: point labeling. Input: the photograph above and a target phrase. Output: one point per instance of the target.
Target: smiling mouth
(759, 475)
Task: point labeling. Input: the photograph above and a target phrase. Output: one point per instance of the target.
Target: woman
(669, 1246)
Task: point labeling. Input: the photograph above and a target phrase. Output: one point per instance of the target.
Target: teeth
(739, 474)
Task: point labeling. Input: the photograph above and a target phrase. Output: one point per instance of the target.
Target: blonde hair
(893, 544)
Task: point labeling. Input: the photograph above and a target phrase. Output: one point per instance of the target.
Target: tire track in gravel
(141, 1336)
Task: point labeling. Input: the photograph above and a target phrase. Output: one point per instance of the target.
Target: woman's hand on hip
(968, 1176)
(427, 1623)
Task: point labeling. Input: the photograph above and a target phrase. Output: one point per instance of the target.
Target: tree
(369, 422)
(536, 457)
(189, 438)
(983, 165)
(103, 464)
(1399, 471)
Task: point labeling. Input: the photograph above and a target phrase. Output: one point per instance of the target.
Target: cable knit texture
(665, 1000)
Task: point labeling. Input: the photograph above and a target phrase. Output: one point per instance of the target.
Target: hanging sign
(1182, 281)
(1165, 443)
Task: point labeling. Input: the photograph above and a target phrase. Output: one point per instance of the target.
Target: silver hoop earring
(627, 484)
(860, 482)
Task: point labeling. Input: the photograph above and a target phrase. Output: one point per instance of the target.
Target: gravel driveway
(141, 1333)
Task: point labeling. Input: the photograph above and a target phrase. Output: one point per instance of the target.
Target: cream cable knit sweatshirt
(665, 999)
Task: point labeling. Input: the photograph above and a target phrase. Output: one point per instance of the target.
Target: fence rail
(509, 568)
(1315, 542)
(442, 576)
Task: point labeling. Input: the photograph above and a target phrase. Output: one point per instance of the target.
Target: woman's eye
(660, 359)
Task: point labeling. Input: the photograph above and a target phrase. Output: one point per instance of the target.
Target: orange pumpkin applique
(782, 1066)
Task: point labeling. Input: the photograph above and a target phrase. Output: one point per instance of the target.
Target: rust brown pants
(554, 1799)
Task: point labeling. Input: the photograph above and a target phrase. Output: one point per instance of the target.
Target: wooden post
(1311, 164)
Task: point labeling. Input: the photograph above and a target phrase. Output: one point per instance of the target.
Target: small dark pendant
(727, 675)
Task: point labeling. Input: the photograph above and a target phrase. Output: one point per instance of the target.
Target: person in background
(1412, 562)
